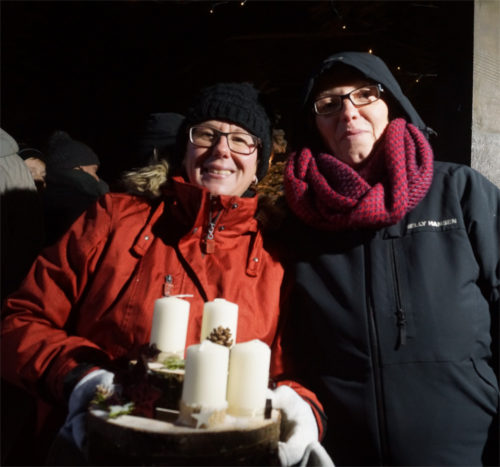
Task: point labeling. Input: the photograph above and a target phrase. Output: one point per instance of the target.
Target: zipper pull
(168, 286)
(209, 243)
(401, 321)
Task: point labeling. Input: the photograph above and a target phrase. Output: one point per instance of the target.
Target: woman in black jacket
(397, 277)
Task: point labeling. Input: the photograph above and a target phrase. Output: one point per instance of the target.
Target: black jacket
(394, 328)
(68, 194)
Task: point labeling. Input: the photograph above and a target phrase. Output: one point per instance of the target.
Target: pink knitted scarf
(328, 194)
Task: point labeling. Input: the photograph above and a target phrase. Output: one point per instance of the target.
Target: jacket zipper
(209, 241)
(168, 285)
(377, 376)
(400, 313)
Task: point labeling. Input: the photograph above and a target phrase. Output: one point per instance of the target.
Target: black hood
(373, 68)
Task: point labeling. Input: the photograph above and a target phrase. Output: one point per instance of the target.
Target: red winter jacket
(90, 297)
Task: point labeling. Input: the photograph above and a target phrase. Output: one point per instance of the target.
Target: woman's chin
(217, 188)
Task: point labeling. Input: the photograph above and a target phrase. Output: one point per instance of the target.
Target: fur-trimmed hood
(149, 182)
(146, 181)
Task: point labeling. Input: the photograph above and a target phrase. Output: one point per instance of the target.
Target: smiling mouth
(217, 172)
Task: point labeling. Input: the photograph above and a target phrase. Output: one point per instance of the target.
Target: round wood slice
(131, 440)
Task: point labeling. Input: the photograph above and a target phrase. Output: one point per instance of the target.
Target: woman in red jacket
(88, 300)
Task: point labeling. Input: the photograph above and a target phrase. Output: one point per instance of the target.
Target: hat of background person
(65, 152)
(238, 103)
(160, 132)
(25, 152)
(374, 69)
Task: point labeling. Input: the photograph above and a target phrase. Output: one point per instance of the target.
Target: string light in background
(418, 77)
(217, 4)
(421, 76)
(344, 24)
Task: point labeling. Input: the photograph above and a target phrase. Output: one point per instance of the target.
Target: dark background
(96, 69)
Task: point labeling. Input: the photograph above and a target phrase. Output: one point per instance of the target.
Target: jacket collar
(188, 206)
(192, 206)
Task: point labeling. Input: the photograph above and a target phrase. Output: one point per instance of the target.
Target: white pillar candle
(205, 378)
(248, 378)
(219, 312)
(170, 323)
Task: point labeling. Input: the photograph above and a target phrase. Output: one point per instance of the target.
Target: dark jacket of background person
(21, 216)
(69, 189)
(394, 325)
(21, 239)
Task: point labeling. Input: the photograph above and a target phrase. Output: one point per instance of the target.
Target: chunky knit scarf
(328, 194)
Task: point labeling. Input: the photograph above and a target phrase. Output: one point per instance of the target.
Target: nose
(221, 147)
(348, 110)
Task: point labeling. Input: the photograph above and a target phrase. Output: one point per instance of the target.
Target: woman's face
(351, 134)
(218, 169)
(38, 170)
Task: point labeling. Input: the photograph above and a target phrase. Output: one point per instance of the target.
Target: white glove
(299, 430)
(316, 455)
(74, 428)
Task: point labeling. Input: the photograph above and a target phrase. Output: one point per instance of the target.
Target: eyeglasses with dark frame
(238, 141)
(332, 103)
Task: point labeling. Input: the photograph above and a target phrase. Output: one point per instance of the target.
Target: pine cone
(221, 336)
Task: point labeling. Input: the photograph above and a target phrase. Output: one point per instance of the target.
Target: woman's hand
(299, 443)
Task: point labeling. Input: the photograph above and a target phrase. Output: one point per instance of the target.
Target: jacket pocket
(485, 372)
(403, 316)
(489, 381)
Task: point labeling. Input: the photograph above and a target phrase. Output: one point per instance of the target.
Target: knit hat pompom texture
(238, 103)
(65, 152)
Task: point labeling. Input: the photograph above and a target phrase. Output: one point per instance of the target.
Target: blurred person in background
(72, 183)
(21, 217)
(21, 239)
(35, 160)
(158, 137)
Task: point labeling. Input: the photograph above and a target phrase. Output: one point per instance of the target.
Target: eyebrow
(331, 93)
(239, 130)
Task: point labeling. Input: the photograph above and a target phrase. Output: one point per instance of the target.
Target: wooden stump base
(191, 416)
(130, 440)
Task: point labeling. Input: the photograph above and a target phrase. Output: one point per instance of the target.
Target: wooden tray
(131, 440)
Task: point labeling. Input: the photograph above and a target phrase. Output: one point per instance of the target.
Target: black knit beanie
(238, 103)
(66, 153)
(160, 132)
